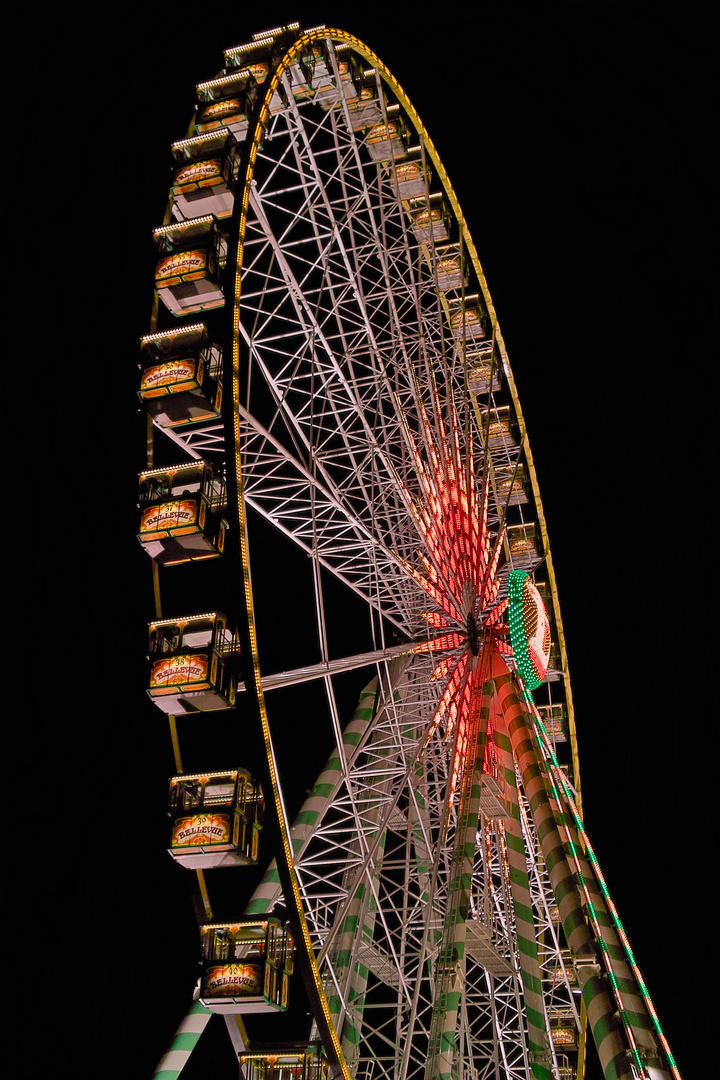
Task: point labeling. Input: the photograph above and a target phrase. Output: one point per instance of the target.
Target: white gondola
(246, 966)
(193, 664)
(180, 384)
(216, 819)
(189, 274)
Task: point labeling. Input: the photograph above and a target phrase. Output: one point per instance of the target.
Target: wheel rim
(347, 338)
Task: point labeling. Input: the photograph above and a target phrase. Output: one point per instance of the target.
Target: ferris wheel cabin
(206, 173)
(481, 367)
(388, 140)
(181, 376)
(449, 270)
(364, 109)
(411, 176)
(193, 664)
(216, 819)
(290, 1061)
(328, 80)
(189, 275)
(340, 80)
(468, 319)
(430, 217)
(225, 103)
(181, 513)
(246, 966)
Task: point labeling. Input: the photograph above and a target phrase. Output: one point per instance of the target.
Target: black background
(580, 142)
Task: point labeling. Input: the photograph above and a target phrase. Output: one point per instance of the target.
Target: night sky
(579, 140)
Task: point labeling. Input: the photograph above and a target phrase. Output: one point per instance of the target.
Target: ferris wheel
(331, 406)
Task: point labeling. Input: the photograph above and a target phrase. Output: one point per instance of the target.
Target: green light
(517, 601)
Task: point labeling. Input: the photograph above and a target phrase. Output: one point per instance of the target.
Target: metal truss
(345, 335)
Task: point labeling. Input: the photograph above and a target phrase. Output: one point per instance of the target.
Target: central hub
(472, 634)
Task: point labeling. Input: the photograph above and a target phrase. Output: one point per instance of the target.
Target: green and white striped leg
(450, 977)
(183, 1044)
(347, 1008)
(268, 891)
(630, 1005)
(538, 1040)
(611, 1046)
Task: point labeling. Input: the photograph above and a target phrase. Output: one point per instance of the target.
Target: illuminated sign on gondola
(449, 265)
(382, 132)
(234, 980)
(169, 378)
(218, 111)
(177, 670)
(561, 975)
(563, 1036)
(258, 71)
(409, 170)
(201, 829)
(181, 266)
(178, 514)
(198, 172)
(427, 217)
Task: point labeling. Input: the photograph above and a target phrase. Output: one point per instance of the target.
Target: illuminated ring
(350, 312)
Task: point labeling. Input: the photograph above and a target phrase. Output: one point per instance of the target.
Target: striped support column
(419, 817)
(611, 1046)
(630, 1004)
(315, 806)
(538, 1040)
(183, 1044)
(659, 1057)
(358, 921)
(450, 979)
(358, 924)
